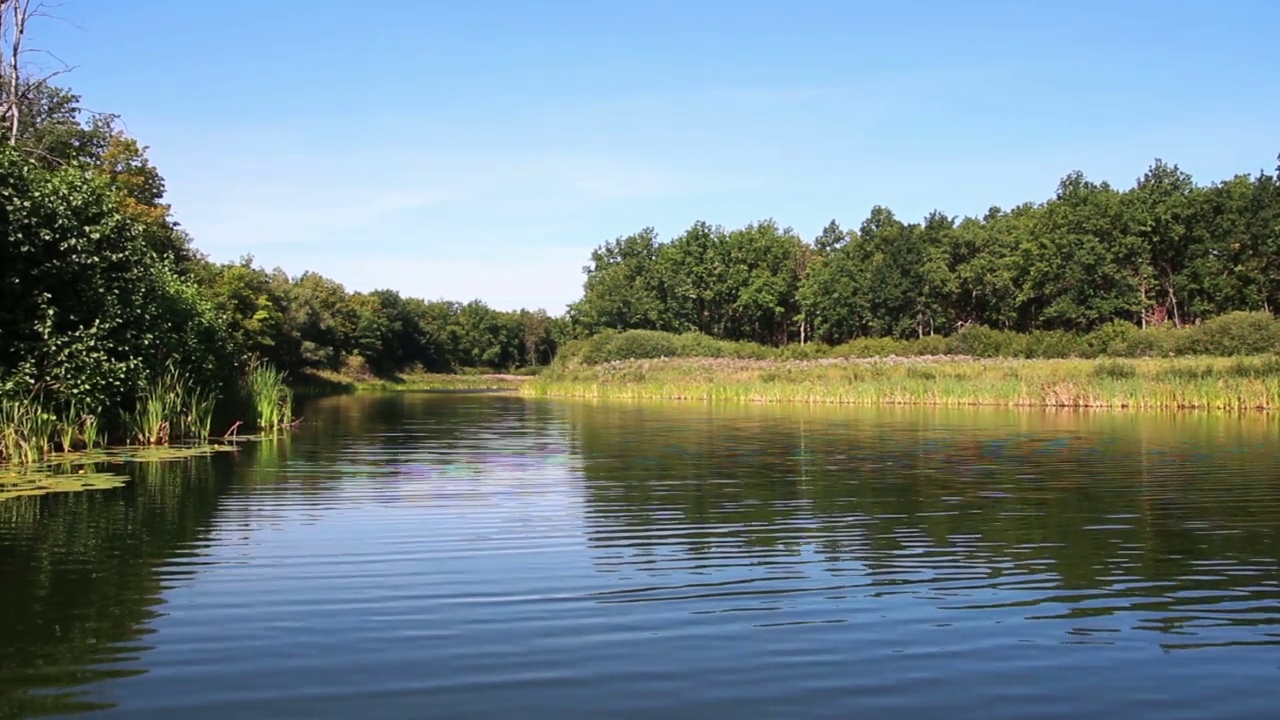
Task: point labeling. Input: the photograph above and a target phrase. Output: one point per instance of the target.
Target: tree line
(1165, 250)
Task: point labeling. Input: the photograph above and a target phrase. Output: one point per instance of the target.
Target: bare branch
(15, 15)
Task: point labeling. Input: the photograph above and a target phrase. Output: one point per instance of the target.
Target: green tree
(1082, 266)
(621, 291)
(321, 313)
(88, 310)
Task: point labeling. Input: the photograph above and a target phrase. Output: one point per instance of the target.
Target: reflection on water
(420, 555)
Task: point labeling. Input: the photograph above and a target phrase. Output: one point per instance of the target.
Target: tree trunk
(15, 57)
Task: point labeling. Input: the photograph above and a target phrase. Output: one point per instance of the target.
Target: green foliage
(872, 347)
(1055, 344)
(611, 346)
(88, 311)
(1091, 256)
(981, 341)
(1238, 333)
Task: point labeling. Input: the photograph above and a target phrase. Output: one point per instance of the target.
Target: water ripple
(480, 556)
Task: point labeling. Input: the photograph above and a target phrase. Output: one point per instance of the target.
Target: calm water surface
(475, 556)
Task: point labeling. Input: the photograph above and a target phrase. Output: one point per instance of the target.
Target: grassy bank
(326, 383)
(1251, 383)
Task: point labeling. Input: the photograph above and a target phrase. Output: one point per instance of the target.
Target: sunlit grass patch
(1164, 383)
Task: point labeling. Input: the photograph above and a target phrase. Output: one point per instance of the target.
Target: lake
(421, 555)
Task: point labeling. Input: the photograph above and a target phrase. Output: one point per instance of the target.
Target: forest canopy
(1165, 250)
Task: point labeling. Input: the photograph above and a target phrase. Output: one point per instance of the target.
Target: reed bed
(30, 431)
(169, 409)
(1150, 384)
(270, 398)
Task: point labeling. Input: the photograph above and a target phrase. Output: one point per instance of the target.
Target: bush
(982, 341)
(1054, 344)
(809, 351)
(699, 345)
(1237, 333)
(930, 345)
(1112, 339)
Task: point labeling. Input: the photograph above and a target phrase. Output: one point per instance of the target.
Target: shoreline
(321, 384)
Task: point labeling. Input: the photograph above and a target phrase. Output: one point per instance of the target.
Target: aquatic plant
(27, 430)
(198, 416)
(269, 397)
(171, 408)
(91, 430)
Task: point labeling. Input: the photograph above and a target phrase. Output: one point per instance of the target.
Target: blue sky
(482, 149)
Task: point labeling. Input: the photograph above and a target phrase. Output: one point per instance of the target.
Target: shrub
(1054, 344)
(1112, 339)
(357, 368)
(930, 345)
(1237, 333)
(982, 341)
(629, 345)
(699, 345)
(810, 351)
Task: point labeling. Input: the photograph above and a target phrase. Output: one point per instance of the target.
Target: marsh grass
(27, 430)
(269, 397)
(170, 417)
(171, 409)
(1166, 383)
(199, 414)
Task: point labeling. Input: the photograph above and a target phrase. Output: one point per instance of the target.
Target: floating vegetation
(80, 471)
(40, 482)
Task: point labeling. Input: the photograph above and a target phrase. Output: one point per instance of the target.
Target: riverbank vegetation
(1230, 335)
(955, 381)
(1227, 362)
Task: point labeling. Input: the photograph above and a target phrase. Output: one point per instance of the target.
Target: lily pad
(75, 472)
(19, 485)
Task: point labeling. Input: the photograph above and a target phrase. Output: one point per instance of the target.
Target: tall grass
(27, 430)
(170, 408)
(270, 398)
(1165, 383)
(91, 429)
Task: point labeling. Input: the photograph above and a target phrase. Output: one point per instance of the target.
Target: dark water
(428, 556)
